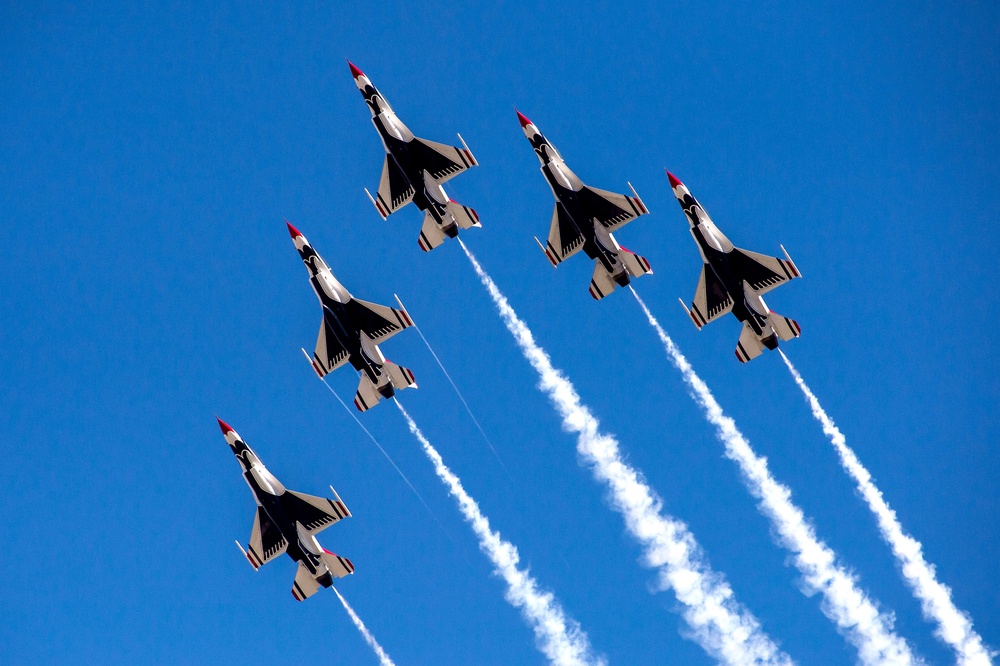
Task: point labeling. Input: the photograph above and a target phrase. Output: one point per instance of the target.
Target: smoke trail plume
(855, 615)
(560, 638)
(383, 658)
(721, 626)
(954, 626)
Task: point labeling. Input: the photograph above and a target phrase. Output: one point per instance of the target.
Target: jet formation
(733, 280)
(351, 330)
(288, 522)
(584, 219)
(415, 170)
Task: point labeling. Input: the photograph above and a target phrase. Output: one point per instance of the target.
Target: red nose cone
(293, 231)
(226, 428)
(673, 179)
(354, 70)
(520, 116)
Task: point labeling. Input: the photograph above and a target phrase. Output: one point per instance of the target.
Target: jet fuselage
(566, 185)
(715, 248)
(396, 137)
(365, 356)
(270, 495)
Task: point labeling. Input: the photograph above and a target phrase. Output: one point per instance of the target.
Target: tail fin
(636, 266)
(464, 216)
(785, 328)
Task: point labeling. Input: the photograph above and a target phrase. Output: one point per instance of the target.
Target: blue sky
(149, 156)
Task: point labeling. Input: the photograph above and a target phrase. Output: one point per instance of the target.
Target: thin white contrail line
(560, 638)
(466, 404)
(723, 627)
(383, 658)
(387, 457)
(856, 616)
(954, 626)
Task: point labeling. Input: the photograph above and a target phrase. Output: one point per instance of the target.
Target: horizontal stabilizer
(634, 264)
(367, 395)
(785, 328)
(338, 566)
(603, 283)
(464, 216)
(431, 234)
(305, 585)
(749, 347)
(399, 376)
(393, 377)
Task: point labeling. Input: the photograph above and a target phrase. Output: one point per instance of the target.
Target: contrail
(856, 616)
(383, 658)
(723, 627)
(954, 626)
(560, 637)
(460, 396)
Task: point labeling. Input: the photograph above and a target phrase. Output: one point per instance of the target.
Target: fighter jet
(288, 522)
(351, 330)
(584, 219)
(733, 280)
(415, 169)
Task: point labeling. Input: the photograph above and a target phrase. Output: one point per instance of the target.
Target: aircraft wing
(565, 238)
(762, 272)
(612, 210)
(330, 354)
(394, 190)
(378, 321)
(711, 299)
(266, 541)
(441, 161)
(314, 513)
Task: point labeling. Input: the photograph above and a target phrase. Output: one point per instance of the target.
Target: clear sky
(148, 157)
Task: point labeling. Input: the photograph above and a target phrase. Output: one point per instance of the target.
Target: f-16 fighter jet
(414, 171)
(351, 330)
(732, 280)
(584, 219)
(288, 522)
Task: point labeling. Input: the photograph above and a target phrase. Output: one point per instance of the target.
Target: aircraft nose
(354, 70)
(295, 233)
(226, 428)
(673, 179)
(521, 117)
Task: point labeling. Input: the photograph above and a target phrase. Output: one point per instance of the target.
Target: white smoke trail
(560, 637)
(721, 626)
(383, 658)
(855, 615)
(954, 626)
